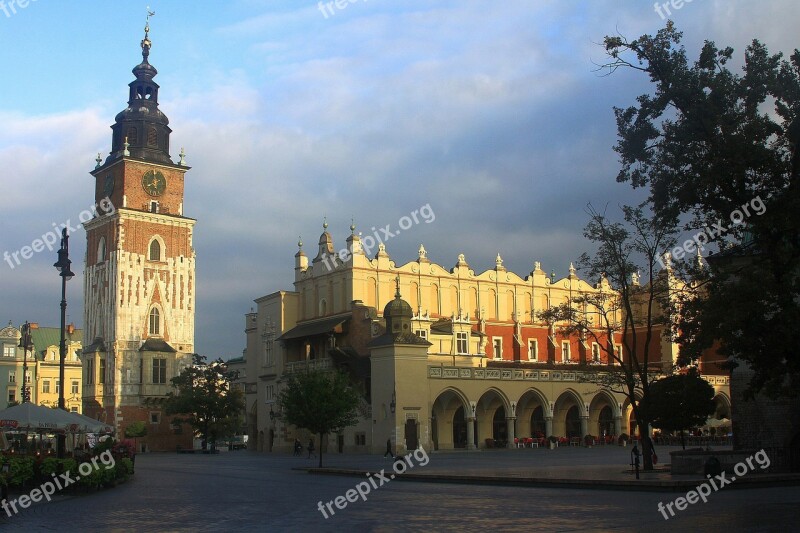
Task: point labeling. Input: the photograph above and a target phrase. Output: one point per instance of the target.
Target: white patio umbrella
(31, 417)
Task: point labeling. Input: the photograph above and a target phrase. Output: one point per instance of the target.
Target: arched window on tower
(132, 135)
(152, 137)
(155, 322)
(155, 250)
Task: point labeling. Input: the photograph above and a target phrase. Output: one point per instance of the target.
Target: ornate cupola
(141, 130)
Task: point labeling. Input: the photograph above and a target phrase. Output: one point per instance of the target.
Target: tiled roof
(42, 338)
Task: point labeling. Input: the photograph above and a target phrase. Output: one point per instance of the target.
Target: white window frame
(462, 343)
(497, 347)
(422, 334)
(566, 352)
(12, 377)
(533, 349)
(9, 350)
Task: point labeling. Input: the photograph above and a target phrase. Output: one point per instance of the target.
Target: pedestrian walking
(635, 459)
(388, 448)
(298, 447)
(311, 448)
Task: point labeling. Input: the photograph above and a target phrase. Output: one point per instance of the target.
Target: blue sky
(490, 112)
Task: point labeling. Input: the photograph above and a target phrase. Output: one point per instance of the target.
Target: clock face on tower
(108, 185)
(154, 182)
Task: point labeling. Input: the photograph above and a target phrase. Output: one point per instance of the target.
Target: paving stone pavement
(243, 491)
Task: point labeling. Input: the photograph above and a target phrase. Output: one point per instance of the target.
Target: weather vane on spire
(146, 41)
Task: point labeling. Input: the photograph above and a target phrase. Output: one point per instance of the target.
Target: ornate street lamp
(26, 344)
(63, 267)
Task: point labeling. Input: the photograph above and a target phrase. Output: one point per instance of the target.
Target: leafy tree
(205, 400)
(322, 402)
(136, 430)
(716, 147)
(627, 315)
(680, 402)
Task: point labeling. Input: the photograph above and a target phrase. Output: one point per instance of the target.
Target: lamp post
(26, 344)
(62, 265)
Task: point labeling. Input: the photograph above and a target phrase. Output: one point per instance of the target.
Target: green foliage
(679, 402)
(136, 429)
(708, 143)
(322, 402)
(205, 399)
(49, 466)
(124, 468)
(21, 470)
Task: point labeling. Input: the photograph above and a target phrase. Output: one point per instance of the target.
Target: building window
(155, 248)
(595, 352)
(9, 350)
(619, 355)
(133, 136)
(58, 387)
(101, 250)
(152, 137)
(361, 439)
(153, 209)
(497, 346)
(89, 372)
(102, 370)
(12, 396)
(73, 409)
(12, 377)
(565, 351)
(74, 387)
(46, 386)
(159, 371)
(28, 377)
(422, 334)
(141, 370)
(533, 350)
(269, 358)
(155, 417)
(462, 346)
(155, 322)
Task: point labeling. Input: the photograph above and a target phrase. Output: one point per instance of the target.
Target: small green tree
(136, 430)
(679, 402)
(322, 402)
(205, 400)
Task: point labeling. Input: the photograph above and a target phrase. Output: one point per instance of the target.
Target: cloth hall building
(449, 358)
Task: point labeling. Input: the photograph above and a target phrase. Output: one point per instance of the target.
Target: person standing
(388, 448)
(311, 448)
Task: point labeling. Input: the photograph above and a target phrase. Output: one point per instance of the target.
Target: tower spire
(146, 42)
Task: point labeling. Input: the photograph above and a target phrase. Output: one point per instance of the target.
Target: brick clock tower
(139, 282)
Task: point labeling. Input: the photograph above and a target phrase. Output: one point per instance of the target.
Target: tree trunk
(320, 449)
(647, 450)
